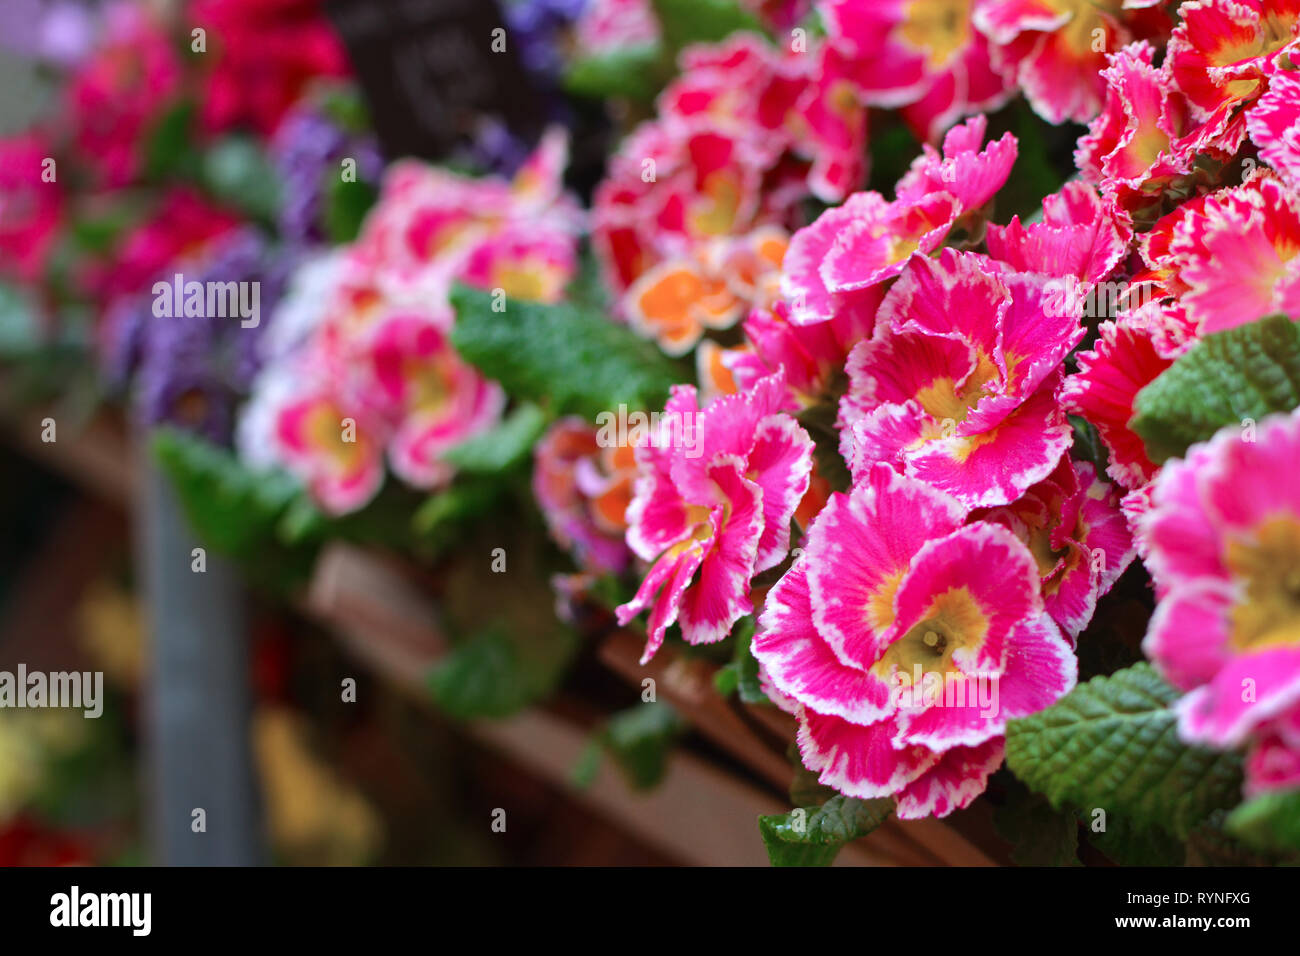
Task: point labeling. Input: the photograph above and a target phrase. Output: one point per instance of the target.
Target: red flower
(266, 53)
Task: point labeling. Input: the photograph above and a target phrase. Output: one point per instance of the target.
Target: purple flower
(191, 370)
(308, 151)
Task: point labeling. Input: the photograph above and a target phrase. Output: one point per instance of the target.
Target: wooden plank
(95, 455)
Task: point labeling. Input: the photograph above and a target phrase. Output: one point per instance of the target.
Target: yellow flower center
(955, 621)
(941, 28)
(1268, 567)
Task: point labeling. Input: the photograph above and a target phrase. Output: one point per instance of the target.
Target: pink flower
(895, 607)
(811, 355)
(1073, 526)
(263, 55)
(1080, 237)
(1239, 254)
(370, 375)
(958, 386)
(438, 400)
(1273, 761)
(1146, 136)
(868, 240)
(1225, 51)
(1224, 543)
(615, 25)
(1275, 126)
(30, 207)
(120, 91)
(584, 488)
(743, 135)
(431, 226)
(714, 497)
(1055, 50)
(1128, 355)
(337, 451)
(926, 58)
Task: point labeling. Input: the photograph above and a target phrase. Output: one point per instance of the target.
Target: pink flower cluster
(690, 221)
(360, 363)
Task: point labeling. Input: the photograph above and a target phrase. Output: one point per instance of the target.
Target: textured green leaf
(1270, 822)
(169, 150)
(582, 361)
(497, 673)
(502, 447)
(1113, 743)
(19, 330)
(1227, 377)
(814, 837)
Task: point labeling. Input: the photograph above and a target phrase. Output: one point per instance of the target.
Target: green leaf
(741, 674)
(1127, 845)
(496, 673)
(1113, 743)
(19, 329)
(444, 517)
(503, 447)
(684, 22)
(582, 361)
(635, 73)
(346, 205)
(1246, 372)
(169, 150)
(232, 509)
(814, 837)
(640, 740)
(1039, 834)
(1269, 822)
(238, 172)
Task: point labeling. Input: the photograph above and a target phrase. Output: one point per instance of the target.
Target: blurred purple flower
(538, 28)
(191, 371)
(307, 151)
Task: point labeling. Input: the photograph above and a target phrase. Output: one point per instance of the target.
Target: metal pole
(199, 695)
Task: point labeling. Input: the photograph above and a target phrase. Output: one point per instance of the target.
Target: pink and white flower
(1081, 237)
(1146, 136)
(925, 58)
(1224, 52)
(1238, 254)
(1128, 355)
(958, 386)
(1055, 50)
(1275, 126)
(714, 498)
(868, 240)
(896, 592)
(1224, 550)
(1073, 526)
